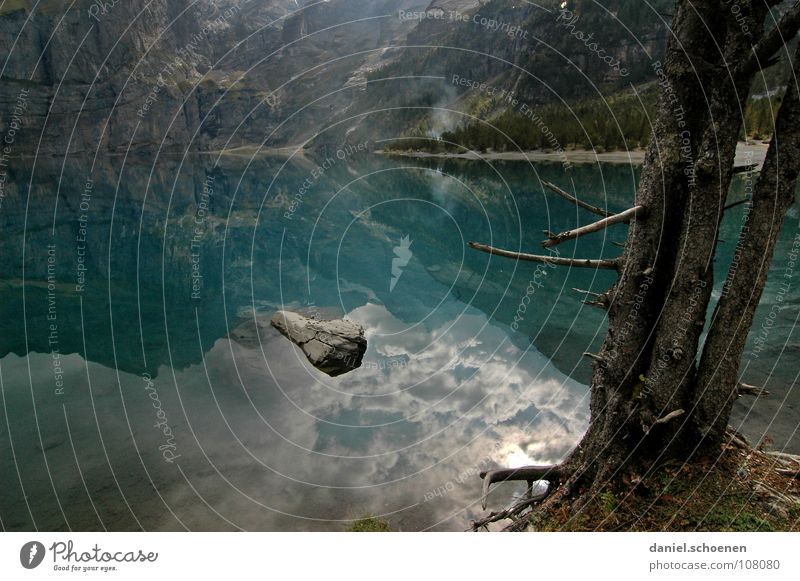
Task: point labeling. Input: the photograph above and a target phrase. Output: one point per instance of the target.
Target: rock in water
(334, 347)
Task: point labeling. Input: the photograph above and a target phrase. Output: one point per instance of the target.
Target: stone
(334, 347)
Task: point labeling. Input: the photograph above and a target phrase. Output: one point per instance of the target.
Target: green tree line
(620, 122)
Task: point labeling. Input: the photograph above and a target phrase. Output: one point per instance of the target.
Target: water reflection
(152, 417)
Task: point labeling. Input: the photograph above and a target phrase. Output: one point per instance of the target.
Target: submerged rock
(334, 347)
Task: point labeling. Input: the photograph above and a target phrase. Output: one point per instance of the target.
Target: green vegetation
(740, 491)
(619, 122)
(10, 6)
(759, 118)
(369, 524)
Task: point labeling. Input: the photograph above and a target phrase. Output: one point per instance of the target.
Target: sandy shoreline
(746, 153)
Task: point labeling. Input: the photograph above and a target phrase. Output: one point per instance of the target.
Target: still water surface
(131, 401)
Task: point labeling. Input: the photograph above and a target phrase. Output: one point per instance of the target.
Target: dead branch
(736, 203)
(747, 389)
(586, 292)
(737, 439)
(510, 512)
(576, 201)
(789, 473)
(531, 474)
(594, 356)
(772, 41)
(607, 263)
(784, 456)
(667, 418)
(745, 168)
(625, 216)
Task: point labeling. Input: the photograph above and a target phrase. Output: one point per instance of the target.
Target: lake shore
(746, 154)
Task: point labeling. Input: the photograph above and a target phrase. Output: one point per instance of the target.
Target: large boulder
(334, 347)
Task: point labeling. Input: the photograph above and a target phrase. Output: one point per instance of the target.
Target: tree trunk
(649, 399)
(718, 374)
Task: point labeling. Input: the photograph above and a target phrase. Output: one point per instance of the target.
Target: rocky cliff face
(179, 75)
(176, 74)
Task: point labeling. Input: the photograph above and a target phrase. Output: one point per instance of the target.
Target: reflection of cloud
(314, 447)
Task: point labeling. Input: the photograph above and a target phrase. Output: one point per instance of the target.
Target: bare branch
(773, 40)
(586, 292)
(736, 203)
(607, 263)
(595, 357)
(745, 168)
(625, 216)
(576, 201)
(738, 439)
(511, 512)
(747, 389)
(789, 473)
(667, 418)
(783, 456)
(552, 473)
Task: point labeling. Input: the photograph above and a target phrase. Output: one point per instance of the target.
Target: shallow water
(126, 404)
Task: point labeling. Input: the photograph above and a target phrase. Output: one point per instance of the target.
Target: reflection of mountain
(335, 252)
(146, 231)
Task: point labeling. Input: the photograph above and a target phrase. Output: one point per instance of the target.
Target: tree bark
(650, 398)
(645, 404)
(621, 412)
(773, 194)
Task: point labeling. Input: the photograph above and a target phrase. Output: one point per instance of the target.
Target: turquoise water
(127, 406)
